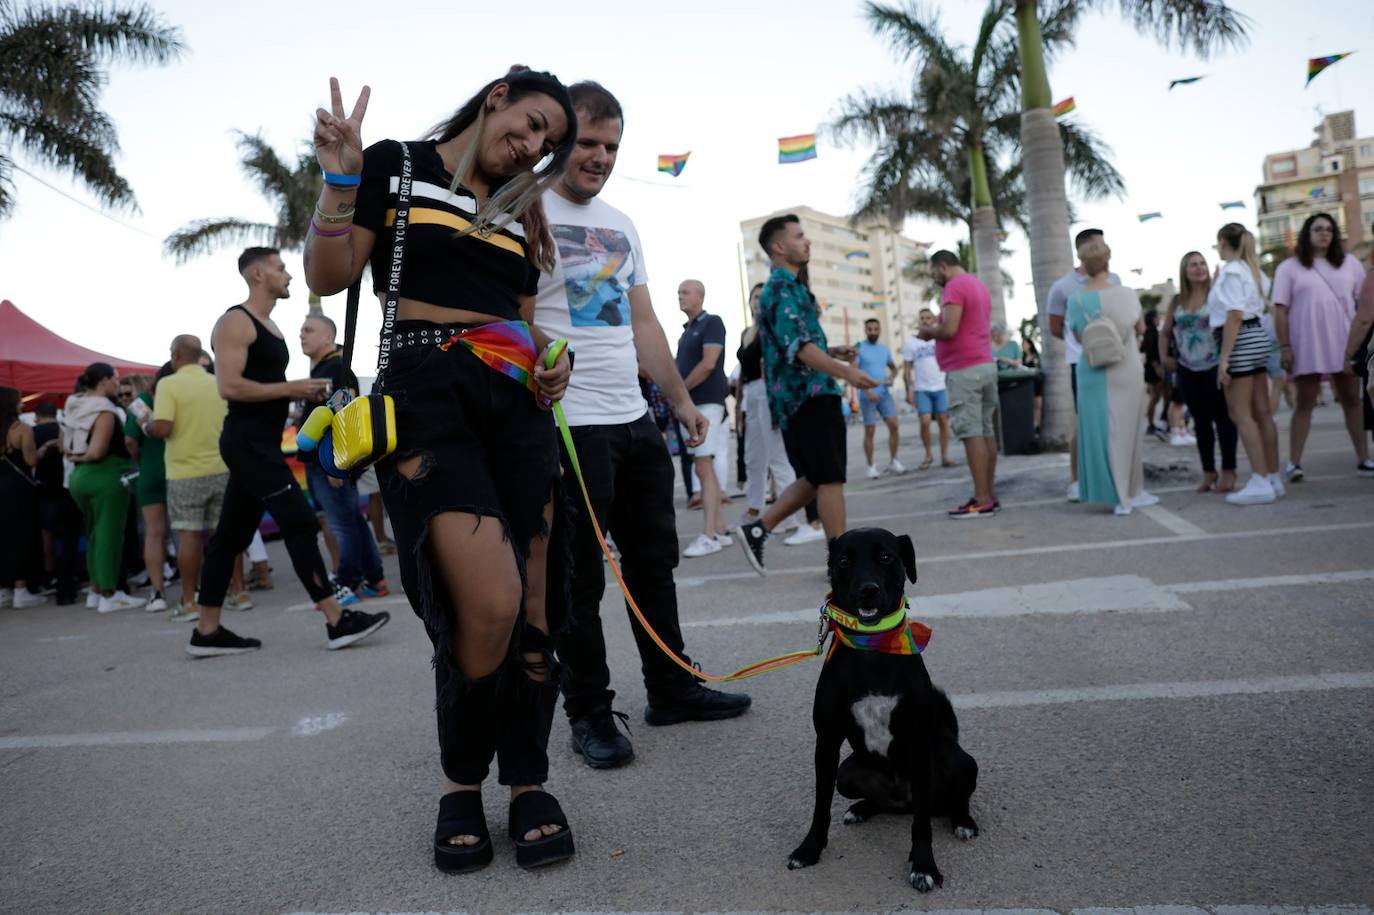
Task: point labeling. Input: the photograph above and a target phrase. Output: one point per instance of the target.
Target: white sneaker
(1144, 498)
(1294, 472)
(6, 597)
(240, 601)
(1072, 494)
(24, 598)
(186, 613)
(140, 580)
(895, 467)
(1256, 492)
(155, 603)
(873, 472)
(119, 601)
(702, 546)
(92, 599)
(1276, 481)
(724, 539)
(1121, 509)
(1179, 440)
(805, 534)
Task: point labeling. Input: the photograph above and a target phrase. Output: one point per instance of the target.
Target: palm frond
(1204, 26)
(6, 186)
(135, 33)
(1087, 160)
(204, 236)
(60, 147)
(912, 31)
(262, 166)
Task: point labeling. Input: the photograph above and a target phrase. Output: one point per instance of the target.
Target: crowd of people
(493, 226)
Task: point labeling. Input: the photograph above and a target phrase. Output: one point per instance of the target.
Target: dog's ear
(908, 551)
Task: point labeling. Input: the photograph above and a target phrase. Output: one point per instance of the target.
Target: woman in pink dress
(1314, 305)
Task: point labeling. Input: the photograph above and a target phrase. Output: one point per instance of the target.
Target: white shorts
(717, 436)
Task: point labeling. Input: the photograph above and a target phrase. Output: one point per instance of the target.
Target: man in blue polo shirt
(875, 361)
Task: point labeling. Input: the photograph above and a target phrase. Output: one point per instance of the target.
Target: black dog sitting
(903, 732)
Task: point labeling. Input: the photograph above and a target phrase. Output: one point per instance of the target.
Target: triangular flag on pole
(1316, 65)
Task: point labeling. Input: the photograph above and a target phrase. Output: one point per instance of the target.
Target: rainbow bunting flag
(1317, 64)
(851, 253)
(1183, 82)
(1317, 192)
(796, 149)
(1146, 217)
(673, 165)
(1233, 205)
(1064, 107)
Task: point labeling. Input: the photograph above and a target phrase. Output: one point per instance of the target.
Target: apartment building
(1334, 175)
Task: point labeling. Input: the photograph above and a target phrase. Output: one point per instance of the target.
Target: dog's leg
(828, 743)
(875, 787)
(924, 875)
(964, 772)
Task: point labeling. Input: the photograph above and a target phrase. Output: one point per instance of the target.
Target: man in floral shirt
(802, 392)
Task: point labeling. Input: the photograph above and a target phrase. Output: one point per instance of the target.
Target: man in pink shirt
(963, 349)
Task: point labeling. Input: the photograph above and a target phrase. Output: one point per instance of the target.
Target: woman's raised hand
(339, 139)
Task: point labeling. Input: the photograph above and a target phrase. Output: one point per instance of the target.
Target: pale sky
(721, 79)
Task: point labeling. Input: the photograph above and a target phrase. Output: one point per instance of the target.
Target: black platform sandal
(460, 814)
(528, 812)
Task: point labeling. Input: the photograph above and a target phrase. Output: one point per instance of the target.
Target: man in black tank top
(251, 358)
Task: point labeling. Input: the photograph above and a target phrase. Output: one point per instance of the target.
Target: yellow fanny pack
(364, 431)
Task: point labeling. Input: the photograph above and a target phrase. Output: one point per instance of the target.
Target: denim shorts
(928, 402)
(885, 406)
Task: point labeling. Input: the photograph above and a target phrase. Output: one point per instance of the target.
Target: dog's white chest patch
(873, 715)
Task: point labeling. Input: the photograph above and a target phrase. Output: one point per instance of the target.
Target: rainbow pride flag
(1233, 205)
(505, 346)
(1316, 65)
(1183, 82)
(1146, 217)
(673, 165)
(796, 149)
(1064, 107)
(851, 253)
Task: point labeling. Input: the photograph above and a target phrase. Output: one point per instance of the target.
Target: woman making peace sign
(471, 487)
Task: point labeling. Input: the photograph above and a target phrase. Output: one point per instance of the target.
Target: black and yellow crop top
(482, 274)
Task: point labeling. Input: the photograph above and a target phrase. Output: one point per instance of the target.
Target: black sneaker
(697, 704)
(353, 627)
(219, 642)
(752, 537)
(600, 742)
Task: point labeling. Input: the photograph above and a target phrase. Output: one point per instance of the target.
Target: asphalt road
(1168, 709)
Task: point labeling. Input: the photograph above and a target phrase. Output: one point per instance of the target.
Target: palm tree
(950, 151)
(1203, 25)
(53, 64)
(291, 187)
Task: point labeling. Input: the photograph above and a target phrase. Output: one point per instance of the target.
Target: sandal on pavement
(925, 465)
(460, 814)
(948, 464)
(528, 812)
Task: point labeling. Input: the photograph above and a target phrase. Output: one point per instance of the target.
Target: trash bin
(1016, 407)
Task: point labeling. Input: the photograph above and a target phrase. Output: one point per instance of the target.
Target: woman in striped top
(472, 486)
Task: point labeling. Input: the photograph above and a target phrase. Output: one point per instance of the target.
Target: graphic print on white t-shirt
(587, 300)
(598, 271)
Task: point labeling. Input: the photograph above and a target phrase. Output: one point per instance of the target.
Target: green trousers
(104, 504)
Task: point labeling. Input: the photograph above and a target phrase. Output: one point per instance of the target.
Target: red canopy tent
(36, 360)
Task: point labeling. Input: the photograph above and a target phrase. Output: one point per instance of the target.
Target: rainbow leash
(744, 673)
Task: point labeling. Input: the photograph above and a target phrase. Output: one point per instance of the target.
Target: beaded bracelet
(329, 233)
(342, 182)
(330, 219)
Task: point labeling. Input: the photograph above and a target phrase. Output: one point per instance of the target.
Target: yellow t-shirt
(189, 399)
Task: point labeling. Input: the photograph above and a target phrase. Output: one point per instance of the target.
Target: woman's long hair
(1335, 255)
(1185, 285)
(514, 199)
(139, 384)
(1241, 240)
(9, 410)
(95, 373)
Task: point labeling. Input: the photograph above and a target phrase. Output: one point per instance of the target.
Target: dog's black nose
(868, 593)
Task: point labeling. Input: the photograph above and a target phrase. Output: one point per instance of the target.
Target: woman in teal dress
(1111, 398)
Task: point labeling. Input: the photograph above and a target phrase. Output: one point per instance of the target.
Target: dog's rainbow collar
(895, 633)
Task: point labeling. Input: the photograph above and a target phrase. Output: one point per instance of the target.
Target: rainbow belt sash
(895, 633)
(505, 346)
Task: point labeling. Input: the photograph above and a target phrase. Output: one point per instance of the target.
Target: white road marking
(692, 581)
(1200, 689)
(1170, 521)
(1110, 594)
(64, 638)
(1334, 909)
(129, 738)
(318, 724)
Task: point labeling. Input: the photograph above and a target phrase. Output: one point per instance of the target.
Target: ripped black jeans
(259, 481)
(485, 449)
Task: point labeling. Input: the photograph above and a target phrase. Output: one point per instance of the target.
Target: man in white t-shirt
(925, 385)
(1060, 293)
(598, 299)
